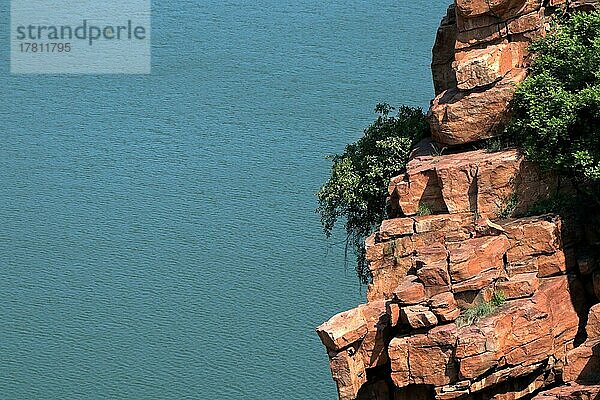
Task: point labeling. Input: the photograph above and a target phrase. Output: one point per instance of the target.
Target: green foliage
(424, 209)
(498, 299)
(357, 188)
(510, 205)
(496, 144)
(556, 204)
(471, 315)
(556, 110)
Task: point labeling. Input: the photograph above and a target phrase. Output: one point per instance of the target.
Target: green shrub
(495, 144)
(357, 188)
(471, 315)
(424, 209)
(557, 204)
(556, 110)
(510, 205)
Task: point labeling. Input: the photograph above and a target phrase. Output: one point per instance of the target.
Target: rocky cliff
(476, 300)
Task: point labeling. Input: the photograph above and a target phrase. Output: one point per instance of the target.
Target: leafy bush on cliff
(357, 188)
(556, 119)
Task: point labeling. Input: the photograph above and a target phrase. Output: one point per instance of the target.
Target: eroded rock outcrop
(480, 56)
(478, 299)
(477, 181)
(425, 270)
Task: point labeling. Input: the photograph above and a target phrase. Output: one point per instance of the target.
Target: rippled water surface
(157, 233)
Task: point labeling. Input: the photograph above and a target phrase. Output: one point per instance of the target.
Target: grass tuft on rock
(471, 315)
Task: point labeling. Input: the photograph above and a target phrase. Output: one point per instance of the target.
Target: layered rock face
(476, 181)
(479, 58)
(411, 340)
(474, 300)
(425, 271)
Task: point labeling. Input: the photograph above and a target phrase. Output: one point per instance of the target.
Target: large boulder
(472, 182)
(459, 117)
(482, 67)
(480, 56)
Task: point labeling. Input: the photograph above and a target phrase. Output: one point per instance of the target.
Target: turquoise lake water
(157, 233)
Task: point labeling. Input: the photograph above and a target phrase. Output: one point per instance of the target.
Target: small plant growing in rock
(424, 209)
(497, 144)
(438, 150)
(509, 208)
(471, 315)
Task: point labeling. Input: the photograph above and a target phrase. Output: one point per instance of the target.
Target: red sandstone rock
(458, 183)
(472, 341)
(583, 363)
(531, 22)
(523, 332)
(465, 183)
(554, 264)
(435, 278)
(453, 391)
(506, 345)
(543, 265)
(432, 269)
(482, 67)
(503, 375)
(378, 321)
(374, 250)
(593, 323)
(396, 227)
(424, 358)
(444, 306)
(572, 391)
(389, 262)
(474, 366)
(348, 372)
(459, 117)
(584, 5)
(394, 312)
(431, 361)
(532, 237)
(480, 281)
(501, 8)
(422, 189)
(409, 291)
(444, 76)
(386, 279)
(434, 254)
(399, 357)
(454, 225)
(343, 329)
(496, 183)
(485, 227)
(518, 286)
(418, 317)
(404, 246)
(471, 257)
(482, 34)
